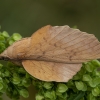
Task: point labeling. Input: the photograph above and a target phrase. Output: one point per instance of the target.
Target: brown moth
(54, 53)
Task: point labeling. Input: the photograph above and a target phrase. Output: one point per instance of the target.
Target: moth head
(4, 58)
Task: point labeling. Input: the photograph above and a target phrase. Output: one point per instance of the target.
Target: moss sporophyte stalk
(14, 80)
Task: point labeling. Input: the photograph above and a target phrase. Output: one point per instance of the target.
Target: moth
(53, 53)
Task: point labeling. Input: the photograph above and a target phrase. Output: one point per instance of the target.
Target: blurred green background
(26, 16)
